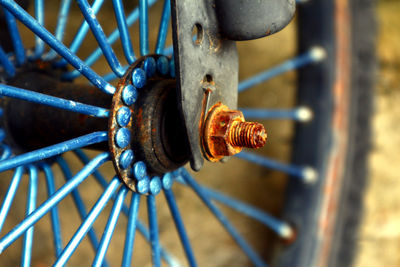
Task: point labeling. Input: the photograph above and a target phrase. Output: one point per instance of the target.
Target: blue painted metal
(6, 63)
(139, 170)
(53, 150)
(16, 37)
(278, 226)
(296, 171)
(143, 185)
(7, 152)
(155, 185)
(2, 135)
(110, 227)
(163, 29)
(39, 14)
(131, 230)
(60, 48)
(129, 94)
(88, 222)
(180, 227)
(123, 30)
(62, 20)
(53, 101)
(169, 259)
(292, 114)
(257, 261)
(144, 27)
(126, 159)
(101, 38)
(83, 30)
(163, 65)
(30, 207)
(168, 51)
(153, 225)
(167, 181)
(286, 66)
(9, 197)
(52, 201)
(138, 78)
(172, 67)
(133, 16)
(149, 66)
(123, 116)
(123, 137)
(55, 218)
(108, 77)
(80, 206)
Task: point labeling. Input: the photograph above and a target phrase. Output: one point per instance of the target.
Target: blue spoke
(180, 227)
(307, 174)
(316, 54)
(53, 101)
(80, 206)
(62, 20)
(302, 114)
(169, 259)
(60, 48)
(168, 50)
(8, 199)
(123, 30)
(153, 225)
(39, 14)
(110, 227)
(281, 228)
(257, 261)
(55, 218)
(30, 207)
(101, 38)
(131, 230)
(15, 36)
(133, 16)
(144, 27)
(6, 153)
(87, 224)
(163, 30)
(6, 63)
(110, 77)
(52, 201)
(53, 150)
(83, 30)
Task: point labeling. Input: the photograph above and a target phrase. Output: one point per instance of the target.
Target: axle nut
(225, 133)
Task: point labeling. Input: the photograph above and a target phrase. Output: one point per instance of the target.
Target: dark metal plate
(200, 61)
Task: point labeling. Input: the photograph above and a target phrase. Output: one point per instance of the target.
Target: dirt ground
(379, 243)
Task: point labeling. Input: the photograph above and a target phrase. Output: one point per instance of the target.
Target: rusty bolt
(225, 133)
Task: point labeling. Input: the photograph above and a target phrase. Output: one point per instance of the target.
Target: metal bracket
(202, 58)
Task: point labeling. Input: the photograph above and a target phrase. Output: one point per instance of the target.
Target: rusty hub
(225, 133)
(146, 134)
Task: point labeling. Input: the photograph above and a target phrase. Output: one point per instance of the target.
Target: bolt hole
(207, 78)
(197, 34)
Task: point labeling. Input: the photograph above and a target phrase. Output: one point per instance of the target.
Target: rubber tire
(313, 142)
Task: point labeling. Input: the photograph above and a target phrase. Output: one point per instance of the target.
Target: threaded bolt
(247, 134)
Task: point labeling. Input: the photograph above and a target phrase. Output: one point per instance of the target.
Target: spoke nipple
(247, 134)
(318, 53)
(286, 231)
(309, 175)
(304, 114)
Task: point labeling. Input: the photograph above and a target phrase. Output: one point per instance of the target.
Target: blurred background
(379, 243)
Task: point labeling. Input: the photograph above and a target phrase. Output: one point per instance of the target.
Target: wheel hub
(146, 136)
